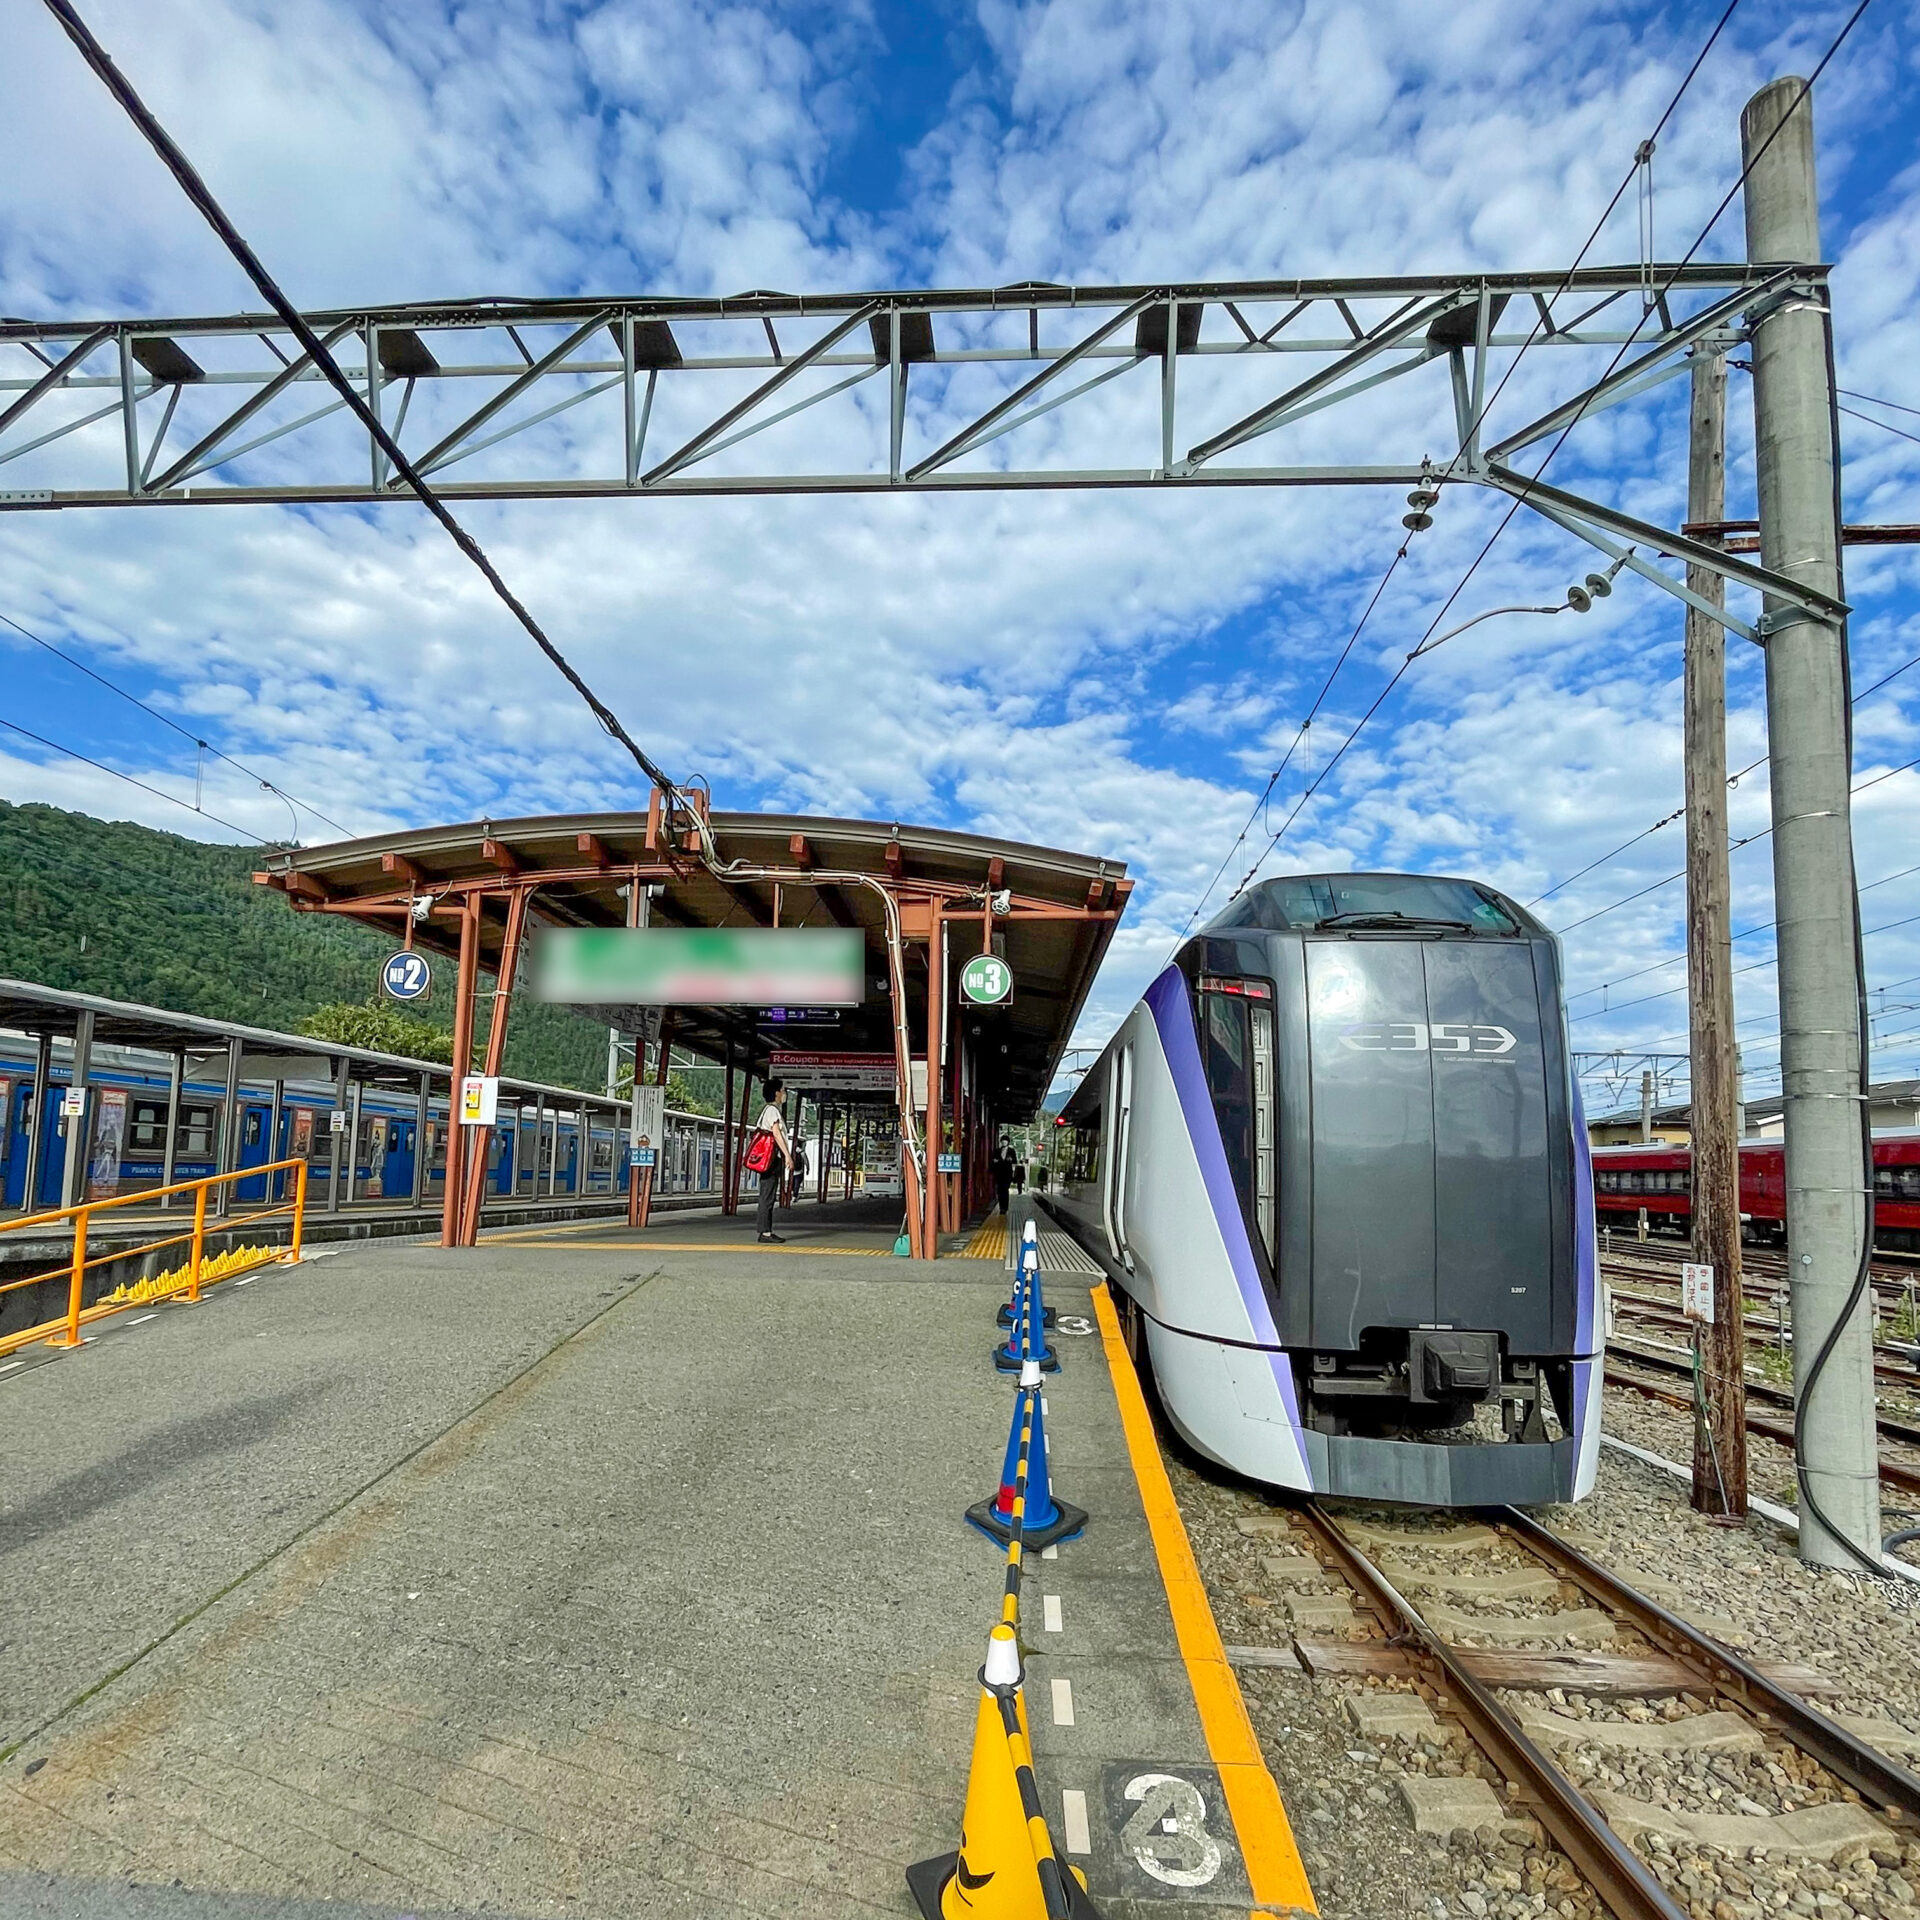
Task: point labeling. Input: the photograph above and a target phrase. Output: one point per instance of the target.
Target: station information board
(834, 1072)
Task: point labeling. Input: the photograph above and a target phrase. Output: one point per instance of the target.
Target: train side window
(253, 1129)
(196, 1132)
(1237, 1053)
(1906, 1182)
(147, 1132)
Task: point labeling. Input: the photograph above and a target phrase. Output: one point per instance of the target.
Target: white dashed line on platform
(1063, 1703)
(11, 1364)
(1050, 1612)
(143, 1319)
(248, 1281)
(1073, 1817)
(1050, 1553)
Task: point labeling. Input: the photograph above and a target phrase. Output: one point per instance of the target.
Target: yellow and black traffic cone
(996, 1875)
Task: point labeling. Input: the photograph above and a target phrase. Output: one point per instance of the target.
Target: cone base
(1067, 1523)
(927, 1881)
(1005, 1317)
(1006, 1362)
(927, 1878)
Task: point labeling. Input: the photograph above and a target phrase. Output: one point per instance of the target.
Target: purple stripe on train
(1172, 1012)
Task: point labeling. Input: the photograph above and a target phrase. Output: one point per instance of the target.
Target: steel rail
(1722, 1671)
(1609, 1865)
(1899, 1430)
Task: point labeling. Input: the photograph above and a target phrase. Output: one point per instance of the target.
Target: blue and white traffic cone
(1045, 1519)
(1027, 1339)
(1029, 1257)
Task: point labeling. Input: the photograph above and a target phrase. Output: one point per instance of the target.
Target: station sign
(834, 1072)
(479, 1100)
(800, 1017)
(73, 1103)
(949, 1163)
(641, 1157)
(406, 976)
(986, 981)
(700, 966)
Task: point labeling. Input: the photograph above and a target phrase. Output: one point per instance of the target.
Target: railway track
(1738, 1707)
(1896, 1472)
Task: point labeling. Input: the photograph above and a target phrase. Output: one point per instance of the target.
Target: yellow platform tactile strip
(692, 1246)
(1275, 1870)
(989, 1240)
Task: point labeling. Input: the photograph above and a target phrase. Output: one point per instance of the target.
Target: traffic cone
(1045, 1519)
(1029, 1258)
(1027, 1339)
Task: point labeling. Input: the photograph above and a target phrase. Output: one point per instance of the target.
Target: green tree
(383, 1028)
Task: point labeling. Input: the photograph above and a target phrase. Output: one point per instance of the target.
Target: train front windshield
(1332, 901)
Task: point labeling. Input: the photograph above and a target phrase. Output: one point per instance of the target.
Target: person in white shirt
(773, 1120)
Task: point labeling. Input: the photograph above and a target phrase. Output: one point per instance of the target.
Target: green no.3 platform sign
(986, 981)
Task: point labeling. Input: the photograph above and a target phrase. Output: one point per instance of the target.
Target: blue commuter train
(1335, 1167)
(535, 1150)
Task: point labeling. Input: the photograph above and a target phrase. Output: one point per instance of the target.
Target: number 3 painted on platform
(1168, 1836)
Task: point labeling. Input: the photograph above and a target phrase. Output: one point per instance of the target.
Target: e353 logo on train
(1416, 1036)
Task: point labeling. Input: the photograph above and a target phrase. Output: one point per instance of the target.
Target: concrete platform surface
(586, 1573)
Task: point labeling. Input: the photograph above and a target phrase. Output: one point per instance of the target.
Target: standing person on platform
(773, 1122)
(1019, 1176)
(1002, 1178)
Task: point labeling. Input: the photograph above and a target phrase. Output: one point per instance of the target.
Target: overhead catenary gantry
(606, 398)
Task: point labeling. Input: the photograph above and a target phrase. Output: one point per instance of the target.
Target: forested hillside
(107, 907)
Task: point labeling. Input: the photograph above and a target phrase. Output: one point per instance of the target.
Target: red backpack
(759, 1154)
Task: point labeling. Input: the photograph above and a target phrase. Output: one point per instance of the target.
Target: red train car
(1660, 1179)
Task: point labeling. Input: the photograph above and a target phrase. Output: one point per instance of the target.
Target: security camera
(1002, 902)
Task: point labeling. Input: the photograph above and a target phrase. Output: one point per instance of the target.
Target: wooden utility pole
(1720, 1432)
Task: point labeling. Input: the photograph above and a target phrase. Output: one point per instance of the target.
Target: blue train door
(505, 1139)
(397, 1177)
(18, 1124)
(255, 1148)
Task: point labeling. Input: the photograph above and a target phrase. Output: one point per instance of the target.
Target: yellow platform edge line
(1275, 1870)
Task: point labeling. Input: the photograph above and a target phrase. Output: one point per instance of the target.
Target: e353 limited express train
(1334, 1164)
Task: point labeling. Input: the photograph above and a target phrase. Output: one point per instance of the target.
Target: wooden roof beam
(296, 886)
(591, 849)
(402, 868)
(501, 859)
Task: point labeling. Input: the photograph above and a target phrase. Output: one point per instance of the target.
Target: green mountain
(107, 907)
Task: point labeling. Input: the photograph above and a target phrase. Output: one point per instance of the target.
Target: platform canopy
(575, 870)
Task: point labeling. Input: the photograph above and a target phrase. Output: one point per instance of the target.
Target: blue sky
(1117, 674)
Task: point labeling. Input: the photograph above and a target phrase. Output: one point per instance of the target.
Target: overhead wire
(40, 739)
(167, 720)
(316, 351)
(1520, 499)
(1499, 387)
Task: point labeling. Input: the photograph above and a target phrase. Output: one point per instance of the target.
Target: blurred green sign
(700, 966)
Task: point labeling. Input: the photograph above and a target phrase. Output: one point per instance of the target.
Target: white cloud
(1113, 672)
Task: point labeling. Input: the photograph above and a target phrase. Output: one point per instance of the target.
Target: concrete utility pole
(1646, 1105)
(1814, 902)
(1720, 1436)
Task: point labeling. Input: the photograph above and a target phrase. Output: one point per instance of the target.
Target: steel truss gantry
(224, 409)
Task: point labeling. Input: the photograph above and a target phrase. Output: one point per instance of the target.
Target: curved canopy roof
(1062, 912)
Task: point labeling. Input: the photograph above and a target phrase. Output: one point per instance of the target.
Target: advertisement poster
(109, 1130)
(300, 1135)
(374, 1186)
(479, 1100)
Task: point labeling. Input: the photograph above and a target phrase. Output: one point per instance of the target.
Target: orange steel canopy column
(465, 982)
(473, 1181)
(930, 1212)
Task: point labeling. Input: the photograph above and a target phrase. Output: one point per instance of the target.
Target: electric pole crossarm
(1661, 363)
(1627, 556)
(1677, 546)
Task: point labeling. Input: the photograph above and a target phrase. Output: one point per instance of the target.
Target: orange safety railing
(187, 1281)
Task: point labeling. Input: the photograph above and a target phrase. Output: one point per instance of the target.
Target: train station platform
(586, 1573)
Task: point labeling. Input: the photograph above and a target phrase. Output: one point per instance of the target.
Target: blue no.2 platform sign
(406, 976)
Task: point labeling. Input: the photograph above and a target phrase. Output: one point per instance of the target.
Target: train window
(1310, 903)
(1897, 1183)
(196, 1132)
(255, 1120)
(147, 1130)
(1237, 1053)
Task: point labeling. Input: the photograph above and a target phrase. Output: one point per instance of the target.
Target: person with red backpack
(770, 1138)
